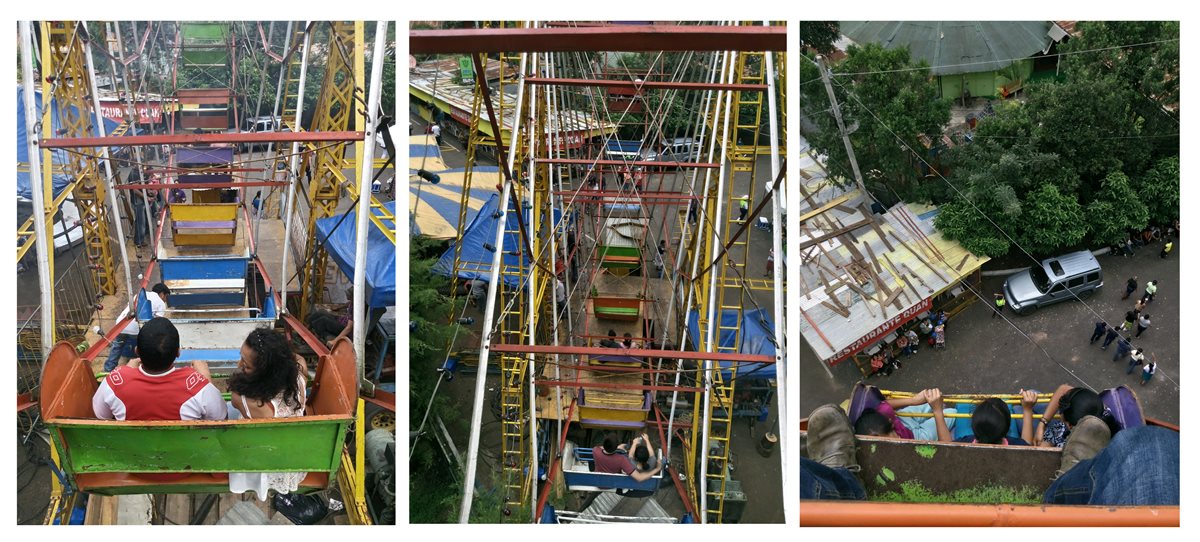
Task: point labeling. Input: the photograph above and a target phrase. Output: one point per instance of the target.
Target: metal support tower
(63, 60)
(324, 171)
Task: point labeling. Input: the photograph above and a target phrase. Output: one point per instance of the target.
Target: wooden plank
(856, 255)
(835, 202)
(874, 259)
(875, 226)
(921, 259)
(962, 262)
(900, 277)
(839, 309)
(833, 234)
(909, 270)
(902, 284)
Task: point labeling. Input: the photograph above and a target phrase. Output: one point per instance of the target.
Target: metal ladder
(731, 295)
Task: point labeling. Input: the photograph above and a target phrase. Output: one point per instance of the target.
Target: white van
(256, 125)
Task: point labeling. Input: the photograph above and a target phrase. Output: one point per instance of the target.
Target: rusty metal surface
(611, 38)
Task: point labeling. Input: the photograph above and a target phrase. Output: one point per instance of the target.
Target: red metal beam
(383, 399)
(319, 348)
(201, 139)
(632, 352)
(609, 38)
(586, 162)
(650, 85)
(614, 386)
(189, 186)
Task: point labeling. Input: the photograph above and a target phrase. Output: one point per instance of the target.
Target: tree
(1142, 55)
(1116, 210)
(1051, 220)
(818, 35)
(434, 497)
(1158, 189)
(961, 222)
(887, 103)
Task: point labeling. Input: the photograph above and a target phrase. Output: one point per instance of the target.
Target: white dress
(261, 482)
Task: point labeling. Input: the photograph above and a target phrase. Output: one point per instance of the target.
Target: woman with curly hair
(269, 383)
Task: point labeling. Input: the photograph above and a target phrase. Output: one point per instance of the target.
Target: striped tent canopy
(435, 207)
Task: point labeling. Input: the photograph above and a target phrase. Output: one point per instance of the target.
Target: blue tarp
(758, 332)
(381, 254)
(60, 156)
(476, 259)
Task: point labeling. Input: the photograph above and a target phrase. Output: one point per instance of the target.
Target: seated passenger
(883, 422)
(611, 457)
(611, 341)
(269, 383)
(152, 388)
(991, 419)
(645, 463)
(1074, 403)
(123, 344)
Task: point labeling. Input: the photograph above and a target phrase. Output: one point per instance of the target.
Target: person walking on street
(1148, 371)
(1098, 332)
(1130, 286)
(1109, 337)
(436, 130)
(998, 299)
(1166, 248)
(1151, 289)
(1139, 306)
(1130, 318)
(1124, 346)
(744, 206)
(770, 264)
(1136, 358)
(658, 257)
(1143, 324)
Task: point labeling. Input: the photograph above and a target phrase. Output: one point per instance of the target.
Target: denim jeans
(122, 346)
(1139, 467)
(826, 483)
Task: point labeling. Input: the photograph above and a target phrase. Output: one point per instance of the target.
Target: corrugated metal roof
(954, 47)
(827, 329)
(435, 79)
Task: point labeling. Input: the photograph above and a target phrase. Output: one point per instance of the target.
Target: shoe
(1087, 438)
(831, 438)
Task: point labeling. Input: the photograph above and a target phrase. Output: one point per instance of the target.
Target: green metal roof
(954, 47)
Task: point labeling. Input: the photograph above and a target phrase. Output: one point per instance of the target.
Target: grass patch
(913, 492)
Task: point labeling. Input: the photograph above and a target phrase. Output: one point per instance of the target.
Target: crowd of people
(931, 330)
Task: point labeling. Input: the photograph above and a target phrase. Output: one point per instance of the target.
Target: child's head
(990, 421)
(872, 423)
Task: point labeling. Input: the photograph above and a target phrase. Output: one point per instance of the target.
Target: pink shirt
(886, 409)
(613, 464)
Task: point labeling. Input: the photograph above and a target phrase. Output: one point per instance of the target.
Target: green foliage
(1116, 210)
(1158, 189)
(877, 108)
(1101, 136)
(818, 35)
(959, 221)
(1052, 220)
(914, 492)
(434, 496)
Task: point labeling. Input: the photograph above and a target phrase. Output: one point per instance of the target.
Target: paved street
(1048, 348)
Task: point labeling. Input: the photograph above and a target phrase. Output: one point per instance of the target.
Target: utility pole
(837, 114)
